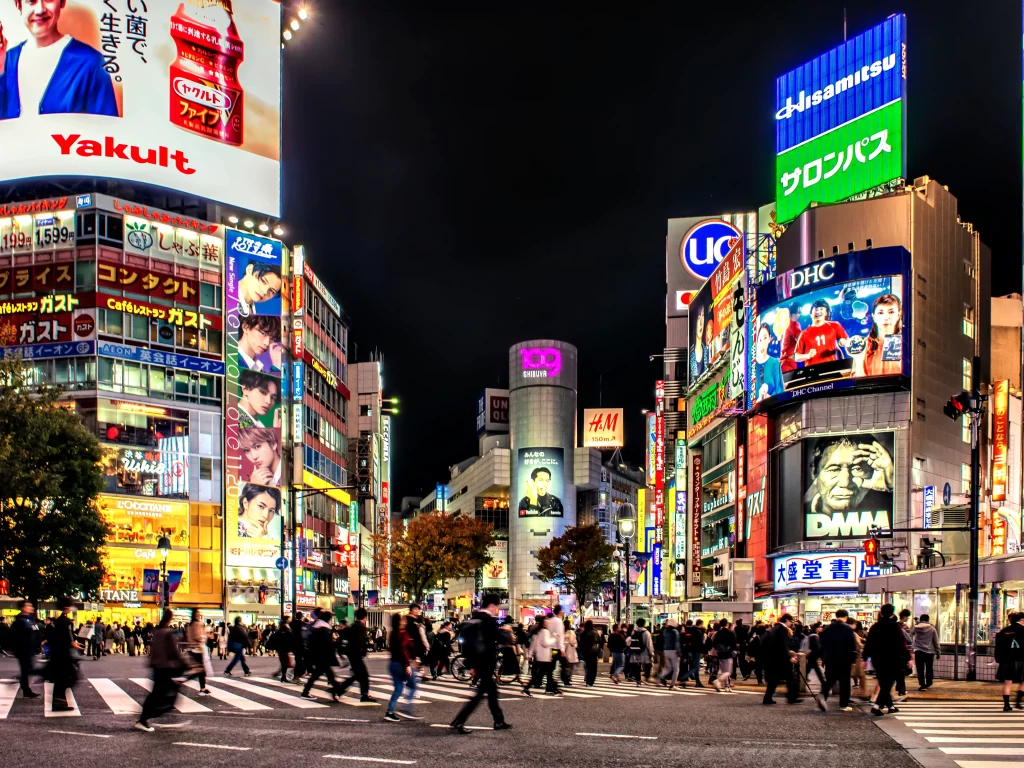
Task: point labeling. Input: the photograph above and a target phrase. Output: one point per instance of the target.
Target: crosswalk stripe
(463, 688)
(985, 730)
(229, 698)
(269, 693)
(913, 722)
(973, 740)
(319, 690)
(988, 763)
(636, 690)
(183, 704)
(8, 692)
(120, 703)
(48, 703)
(1001, 751)
(428, 691)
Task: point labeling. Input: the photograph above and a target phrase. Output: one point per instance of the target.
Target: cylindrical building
(542, 421)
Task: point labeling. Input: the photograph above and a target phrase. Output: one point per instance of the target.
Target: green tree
(51, 532)
(438, 548)
(578, 561)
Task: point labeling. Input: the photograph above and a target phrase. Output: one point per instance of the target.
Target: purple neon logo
(541, 362)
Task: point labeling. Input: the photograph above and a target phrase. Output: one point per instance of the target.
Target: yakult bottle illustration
(206, 97)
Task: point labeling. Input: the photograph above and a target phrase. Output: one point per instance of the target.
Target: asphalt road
(636, 728)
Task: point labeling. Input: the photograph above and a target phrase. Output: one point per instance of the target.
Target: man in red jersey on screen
(821, 340)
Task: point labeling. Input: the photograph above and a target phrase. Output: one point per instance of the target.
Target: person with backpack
(480, 648)
(670, 651)
(238, 643)
(1010, 658)
(281, 644)
(839, 652)
(642, 650)
(542, 660)
(321, 654)
(694, 651)
(888, 653)
(617, 650)
(356, 647)
(725, 650)
(439, 657)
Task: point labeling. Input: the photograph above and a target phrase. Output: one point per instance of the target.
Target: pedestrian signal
(870, 552)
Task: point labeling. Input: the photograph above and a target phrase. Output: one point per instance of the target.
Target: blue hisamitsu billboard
(833, 324)
(840, 120)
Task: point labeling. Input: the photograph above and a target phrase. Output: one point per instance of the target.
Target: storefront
(812, 586)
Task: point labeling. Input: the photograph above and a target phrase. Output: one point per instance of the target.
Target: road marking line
(8, 693)
(229, 698)
(118, 700)
(618, 736)
(209, 746)
(337, 719)
(981, 730)
(975, 740)
(48, 703)
(284, 698)
(423, 689)
(974, 751)
(986, 763)
(467, 727)
(371, 759)
(78, 733)
(183, 704)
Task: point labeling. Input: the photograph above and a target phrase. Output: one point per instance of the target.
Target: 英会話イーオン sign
(840, 120)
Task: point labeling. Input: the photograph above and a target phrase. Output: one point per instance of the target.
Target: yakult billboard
(182, 94)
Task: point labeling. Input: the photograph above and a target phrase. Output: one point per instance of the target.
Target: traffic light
(5, 587)
(263, 594)
(957, 405)
(870, 552)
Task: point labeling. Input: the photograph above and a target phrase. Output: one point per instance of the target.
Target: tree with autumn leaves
(577, 561)
(437, 548)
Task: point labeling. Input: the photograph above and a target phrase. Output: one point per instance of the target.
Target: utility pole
(977, 409)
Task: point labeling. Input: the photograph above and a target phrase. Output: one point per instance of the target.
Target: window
(965, 478)
(140, 327)
(205, 469)
(365, 410)
(968, 324)
(967, 374)
(85, 275)
(965, 431)
(209, 295)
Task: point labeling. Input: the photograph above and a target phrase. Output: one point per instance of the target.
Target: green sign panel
(852, 158)
(705, 403)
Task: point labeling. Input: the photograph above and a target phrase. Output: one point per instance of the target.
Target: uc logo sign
(705, 245)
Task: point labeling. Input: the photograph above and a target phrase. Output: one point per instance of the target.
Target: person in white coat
(556, 626)
(541, 652)
(571, 654)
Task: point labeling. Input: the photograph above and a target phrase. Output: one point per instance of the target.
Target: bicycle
(461, 670)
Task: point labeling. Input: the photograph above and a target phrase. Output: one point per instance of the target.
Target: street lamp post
(626, 522)
(164, 548)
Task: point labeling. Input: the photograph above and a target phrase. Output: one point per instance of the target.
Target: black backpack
(471, 638)
(636, 643)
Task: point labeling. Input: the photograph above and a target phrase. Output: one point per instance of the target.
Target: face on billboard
(814, 330)
(259, 513)
(164, 92)
(840, 120)
(850, 485)
(541, 483)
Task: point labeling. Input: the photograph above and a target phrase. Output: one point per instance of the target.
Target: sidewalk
(957, 690)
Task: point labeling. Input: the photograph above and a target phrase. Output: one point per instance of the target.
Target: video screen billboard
(833, 324)
(841, 120)
(850, 482)
(541, 481)
(254, 390)
(183, 94)
(716, 323)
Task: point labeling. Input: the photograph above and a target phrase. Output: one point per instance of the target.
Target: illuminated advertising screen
(840, 120)
(755, 518)
(541, 482)
(834, 324)
(183, 94)
(495, 574)
(254, 390)
(850, 481)
(716, 324)
(652, 448)
(1000, 439)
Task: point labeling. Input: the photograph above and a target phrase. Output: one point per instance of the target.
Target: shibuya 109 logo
(706, 245)
(138, 235)
(541, 362)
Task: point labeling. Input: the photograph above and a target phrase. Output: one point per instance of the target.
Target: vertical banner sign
(1000, 439)
(383, 518)
(385, 426)
(697, 496)
(741, 490)
(840, 120)
(652, 447)
(929, 505)
(659, 485)
(253, 380)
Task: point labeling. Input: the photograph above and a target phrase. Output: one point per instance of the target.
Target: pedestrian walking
(281, 644)
(24, 644)
(839, 652)
(62, 667)
(167, 663)
(754, 661)
(440, 656)
(742, 632)
(5, 633)
(778, 660)
(480, 648)
(238, 643)
(887, 651)
(908, 641)
(724, 650)
(401, 667)
(542, 652)
(1010, 658)
(356, 648)
(670, 640)
(322, 658)
(617, 650)
(556, 626)
(589, 650)
(98, 634)
(572, 656)
(694, 641)
(926, 650)
(195, 637)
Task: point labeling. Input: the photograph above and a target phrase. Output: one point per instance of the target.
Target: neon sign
(541, 362)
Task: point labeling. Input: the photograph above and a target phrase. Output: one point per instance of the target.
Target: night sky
(469, 175)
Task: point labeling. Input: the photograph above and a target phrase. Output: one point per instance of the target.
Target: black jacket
(838, 645)
(695, 639)
(1005, 652)
(24, 637)
(886, 647)
(489, 633)
(616, 643)
(588, 643)
(356, 636)
(282, 641)
(725, 643)
(321, 645)
(775, 649)
(298, 633)
(239, 634)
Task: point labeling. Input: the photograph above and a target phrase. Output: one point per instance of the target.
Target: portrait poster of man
(540, 482)
(850, 484)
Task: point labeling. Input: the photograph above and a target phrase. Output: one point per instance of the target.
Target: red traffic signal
(870, 552)
(957, 405)
(5, 587)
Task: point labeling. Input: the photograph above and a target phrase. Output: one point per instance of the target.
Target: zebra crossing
(970, 734)
(124, 696)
